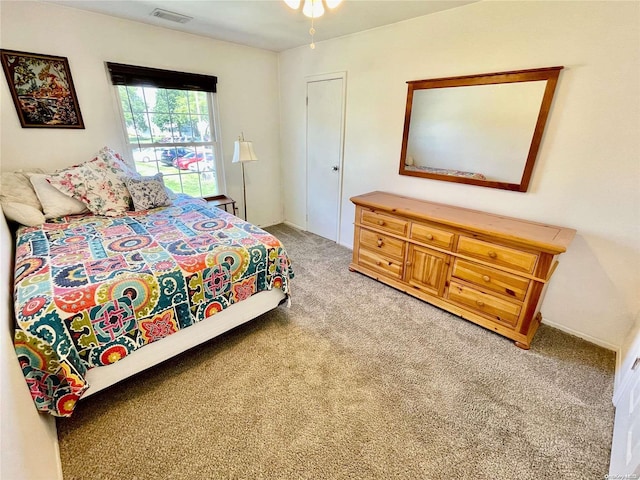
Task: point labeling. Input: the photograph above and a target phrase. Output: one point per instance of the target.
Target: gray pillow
(148, 192)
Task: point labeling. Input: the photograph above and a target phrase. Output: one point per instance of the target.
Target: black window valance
(153, 77)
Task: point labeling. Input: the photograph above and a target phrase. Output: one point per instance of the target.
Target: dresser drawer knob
(429, 236)
(378, 263)
(480, 303)
(381, 222)
(492, 254)
(486, 278)
(379, 242)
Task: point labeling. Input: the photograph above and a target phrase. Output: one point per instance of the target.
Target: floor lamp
(243, 152)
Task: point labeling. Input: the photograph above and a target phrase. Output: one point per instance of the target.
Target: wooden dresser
(489, 269)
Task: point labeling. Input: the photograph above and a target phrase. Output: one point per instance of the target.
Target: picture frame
(42, 90)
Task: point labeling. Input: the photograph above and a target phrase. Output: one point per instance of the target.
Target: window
(169, 118)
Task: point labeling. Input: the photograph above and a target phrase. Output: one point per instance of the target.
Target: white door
(625, 450)
(325, 115)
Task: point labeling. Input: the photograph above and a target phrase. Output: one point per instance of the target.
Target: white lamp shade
(243, 152)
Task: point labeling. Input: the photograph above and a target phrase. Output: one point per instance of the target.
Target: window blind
(132, 75)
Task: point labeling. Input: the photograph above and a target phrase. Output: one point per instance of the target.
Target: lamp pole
(244, 194)
(243, 152)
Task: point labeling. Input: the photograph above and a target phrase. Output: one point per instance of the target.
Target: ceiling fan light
(332, 3)
(313, 8)
(295, 4)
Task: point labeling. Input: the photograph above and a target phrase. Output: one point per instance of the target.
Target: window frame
(172, 80)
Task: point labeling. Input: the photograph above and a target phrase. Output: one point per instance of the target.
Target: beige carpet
(354, 381)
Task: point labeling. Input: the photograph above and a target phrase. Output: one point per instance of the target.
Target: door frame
(343, 108)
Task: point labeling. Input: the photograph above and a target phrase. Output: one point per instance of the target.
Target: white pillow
(19, 200)
(23, 214)
(54, 202)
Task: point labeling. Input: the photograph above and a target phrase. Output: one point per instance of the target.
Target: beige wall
(588, 172)
(247, 92)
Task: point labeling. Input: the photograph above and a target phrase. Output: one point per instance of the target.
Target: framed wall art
(42, 90)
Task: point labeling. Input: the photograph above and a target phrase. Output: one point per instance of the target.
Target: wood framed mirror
(477, 129)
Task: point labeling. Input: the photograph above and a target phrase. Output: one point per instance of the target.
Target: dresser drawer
(380, 263)
(384, 222)
(491, 279)
(497, 254)
(432, 236)
(475, 300)
(382, 243)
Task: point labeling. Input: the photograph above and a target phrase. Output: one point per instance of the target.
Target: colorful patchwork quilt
(89, 289)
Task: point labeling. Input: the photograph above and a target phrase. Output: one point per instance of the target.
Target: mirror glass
(480, 129)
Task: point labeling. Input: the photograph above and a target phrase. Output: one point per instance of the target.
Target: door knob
(335, 168)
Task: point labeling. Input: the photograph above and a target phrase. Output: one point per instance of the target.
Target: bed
(90, 291)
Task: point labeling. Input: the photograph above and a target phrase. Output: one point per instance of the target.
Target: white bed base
(102, 377)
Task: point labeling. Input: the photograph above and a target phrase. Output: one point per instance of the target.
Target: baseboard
(588, 338)
(293, 225)
(601, 343)
(59, 459)
(347, 245)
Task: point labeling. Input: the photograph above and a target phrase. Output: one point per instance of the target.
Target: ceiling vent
(171, 16)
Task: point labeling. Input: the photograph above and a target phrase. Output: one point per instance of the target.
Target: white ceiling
(267, 24)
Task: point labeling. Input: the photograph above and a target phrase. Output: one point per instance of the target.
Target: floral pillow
(98, 183)
(148, 192)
